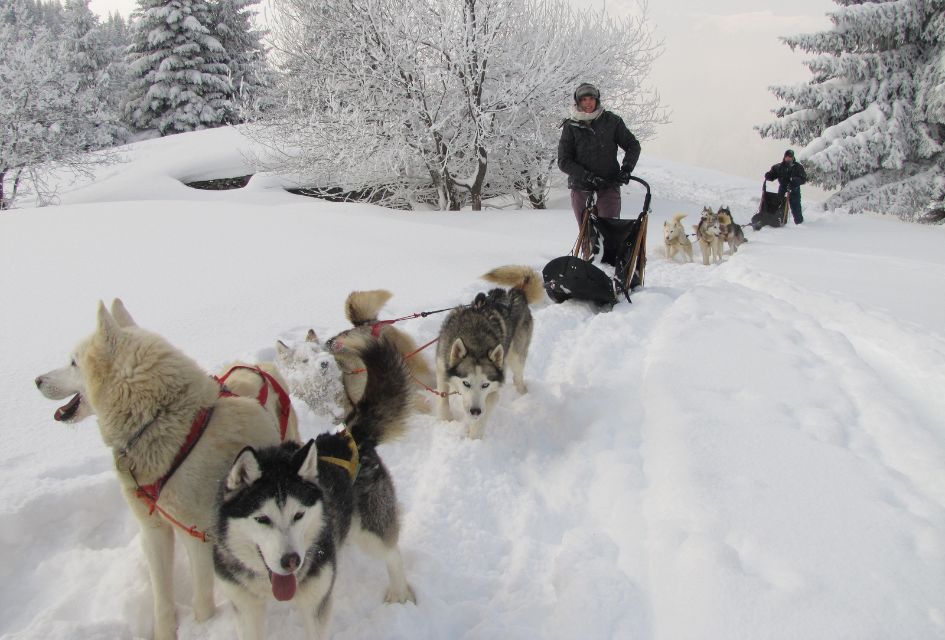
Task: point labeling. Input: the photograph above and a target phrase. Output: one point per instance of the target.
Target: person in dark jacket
(790, 175)
(587, 152)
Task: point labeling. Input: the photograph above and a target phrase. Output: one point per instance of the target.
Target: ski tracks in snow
(791, 458)
(732, 445)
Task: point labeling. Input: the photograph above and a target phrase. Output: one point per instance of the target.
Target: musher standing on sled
(790, 175)
(587, 152)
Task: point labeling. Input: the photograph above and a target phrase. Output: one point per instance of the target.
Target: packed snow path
(750, 450)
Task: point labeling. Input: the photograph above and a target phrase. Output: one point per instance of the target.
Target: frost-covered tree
(872, 118)
(446, 102)
(180, 80)
(251, 77)
(50, 119)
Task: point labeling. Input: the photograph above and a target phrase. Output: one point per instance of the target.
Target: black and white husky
(283, 512)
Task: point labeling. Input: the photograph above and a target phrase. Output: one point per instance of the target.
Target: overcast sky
(719, 59)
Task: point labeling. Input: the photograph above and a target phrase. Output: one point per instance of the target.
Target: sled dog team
(220, 457)
(713, 231)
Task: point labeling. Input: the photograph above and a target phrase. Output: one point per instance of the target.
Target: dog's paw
(204, 611)
(475, 430)
(400, 596)
(165, 632)
(445, 414)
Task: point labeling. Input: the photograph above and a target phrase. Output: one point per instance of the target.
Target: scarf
(580, 116)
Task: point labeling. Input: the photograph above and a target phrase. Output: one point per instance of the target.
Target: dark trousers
(608, 203)
(794, 200)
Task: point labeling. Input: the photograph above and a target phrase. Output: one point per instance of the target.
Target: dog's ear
(497, 356)
(121, 315)
(306, 460)
(311, 337)
(107, 329)
(244, 472)
(457, 351)
(282, 349)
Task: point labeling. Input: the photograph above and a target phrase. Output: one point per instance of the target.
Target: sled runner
(618, 243)
(772, 210)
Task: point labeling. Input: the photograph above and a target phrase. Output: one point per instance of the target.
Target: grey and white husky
(479, 342)
(730, 232)
(283, 512)
(710, 236)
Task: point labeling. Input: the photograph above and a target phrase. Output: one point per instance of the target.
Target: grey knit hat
(586, 89)
(789, 152)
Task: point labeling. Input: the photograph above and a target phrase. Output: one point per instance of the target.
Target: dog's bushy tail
(678, 217)
(519, 277)
(381, 413)
(362, 307)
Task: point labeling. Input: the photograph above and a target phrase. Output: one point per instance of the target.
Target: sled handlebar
(646, 200)
(592, 193)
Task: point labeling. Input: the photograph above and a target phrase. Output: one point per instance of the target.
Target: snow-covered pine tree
(871, 120)
(180, 80)
(115, 38)
(232, 22)
(86, 68)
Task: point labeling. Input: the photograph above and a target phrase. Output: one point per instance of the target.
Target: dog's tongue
(283, 587)
(67, 410)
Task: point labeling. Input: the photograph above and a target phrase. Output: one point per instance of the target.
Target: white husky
(173, 431)
(675, 238)
(313, 374)
(331, 379)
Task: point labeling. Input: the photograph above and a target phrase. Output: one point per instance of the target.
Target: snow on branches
(444, 103)
(872, 118)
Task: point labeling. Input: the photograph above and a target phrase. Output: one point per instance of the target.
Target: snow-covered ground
(752, 450)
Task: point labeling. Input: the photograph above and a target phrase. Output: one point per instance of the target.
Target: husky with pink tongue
(283, 512)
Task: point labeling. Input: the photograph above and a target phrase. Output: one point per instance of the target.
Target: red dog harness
(150, 493)
(285, 404)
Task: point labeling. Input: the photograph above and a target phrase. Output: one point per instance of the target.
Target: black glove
(768, 176)
(624, 176)
(593, 181)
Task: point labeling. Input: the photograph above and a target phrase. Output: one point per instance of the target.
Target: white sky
(719, 60)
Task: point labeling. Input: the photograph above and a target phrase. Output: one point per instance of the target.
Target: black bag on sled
(772, 210)
(624, 248)
(571, 277)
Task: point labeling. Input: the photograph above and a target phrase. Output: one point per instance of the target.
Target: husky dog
(675, 238)
(731, 232)
(362, 309)
(313, 374)
(708, 233)
(332, 380)
(480, 341)
(152, 403)
(283, 512)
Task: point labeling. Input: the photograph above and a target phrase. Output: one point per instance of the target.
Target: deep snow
(750, 450)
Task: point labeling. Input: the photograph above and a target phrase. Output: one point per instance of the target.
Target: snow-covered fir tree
(872, 118)
(232, 22)
(115, 38)
(89, 70)
(180, 80)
